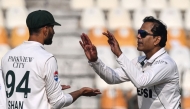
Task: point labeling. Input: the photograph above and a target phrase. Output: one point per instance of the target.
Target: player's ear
(45, 30)
(157, 40)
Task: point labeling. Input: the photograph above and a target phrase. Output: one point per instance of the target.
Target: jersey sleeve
(110, 76)
(157, 73)
(56, 97)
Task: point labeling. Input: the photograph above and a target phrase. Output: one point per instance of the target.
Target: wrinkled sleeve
(56, 97)
(110, 76)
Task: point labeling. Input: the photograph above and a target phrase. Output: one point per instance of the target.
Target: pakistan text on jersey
(15, 104)
(20, 59)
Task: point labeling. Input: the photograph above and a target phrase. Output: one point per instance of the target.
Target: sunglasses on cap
(143, 33)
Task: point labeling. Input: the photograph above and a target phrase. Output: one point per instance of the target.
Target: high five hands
(90, 49)
(113, 43)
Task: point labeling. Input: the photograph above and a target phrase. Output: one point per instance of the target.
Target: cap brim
(55, 23)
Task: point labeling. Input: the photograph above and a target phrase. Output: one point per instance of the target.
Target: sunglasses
(143, 33)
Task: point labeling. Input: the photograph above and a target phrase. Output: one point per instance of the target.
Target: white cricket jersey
(31, 78)
(157, 81)
(2, 92)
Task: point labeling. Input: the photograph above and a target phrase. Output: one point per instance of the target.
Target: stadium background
(121, 17)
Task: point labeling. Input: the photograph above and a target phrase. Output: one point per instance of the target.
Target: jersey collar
(33, 43)
(153, 58)
(156, 55)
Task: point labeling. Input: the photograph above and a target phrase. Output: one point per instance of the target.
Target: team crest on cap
(56, 76)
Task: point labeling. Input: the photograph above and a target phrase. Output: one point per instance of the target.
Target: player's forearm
(76, 94)
(109, 75)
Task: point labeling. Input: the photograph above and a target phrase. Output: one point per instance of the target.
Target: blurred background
(123, 18)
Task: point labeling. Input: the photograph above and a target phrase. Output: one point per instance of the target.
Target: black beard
(48, 41)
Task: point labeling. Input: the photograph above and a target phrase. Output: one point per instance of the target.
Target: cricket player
(31, 73)
(2, 92)
(155, 75)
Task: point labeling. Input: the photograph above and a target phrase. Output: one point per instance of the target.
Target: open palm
(89, 48)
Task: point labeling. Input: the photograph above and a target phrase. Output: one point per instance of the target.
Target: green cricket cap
(40, 18)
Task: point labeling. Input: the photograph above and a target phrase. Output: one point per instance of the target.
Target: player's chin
(49, 43)
(140, 48)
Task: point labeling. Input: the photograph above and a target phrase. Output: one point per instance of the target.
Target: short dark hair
(37, 30)
(159, 29)
(34, 30)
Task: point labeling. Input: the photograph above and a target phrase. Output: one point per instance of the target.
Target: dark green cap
(40, 18)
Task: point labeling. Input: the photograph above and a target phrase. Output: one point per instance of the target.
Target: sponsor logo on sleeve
(56, 76)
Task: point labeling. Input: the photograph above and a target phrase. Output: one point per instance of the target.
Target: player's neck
(150, 53)
(36, 38)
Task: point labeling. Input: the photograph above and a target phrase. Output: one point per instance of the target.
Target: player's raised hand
(89, 48)
(65, 87)
(86, 91)
(113, 43)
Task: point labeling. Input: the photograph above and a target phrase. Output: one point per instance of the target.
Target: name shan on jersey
(15, 104)
(19, 61)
